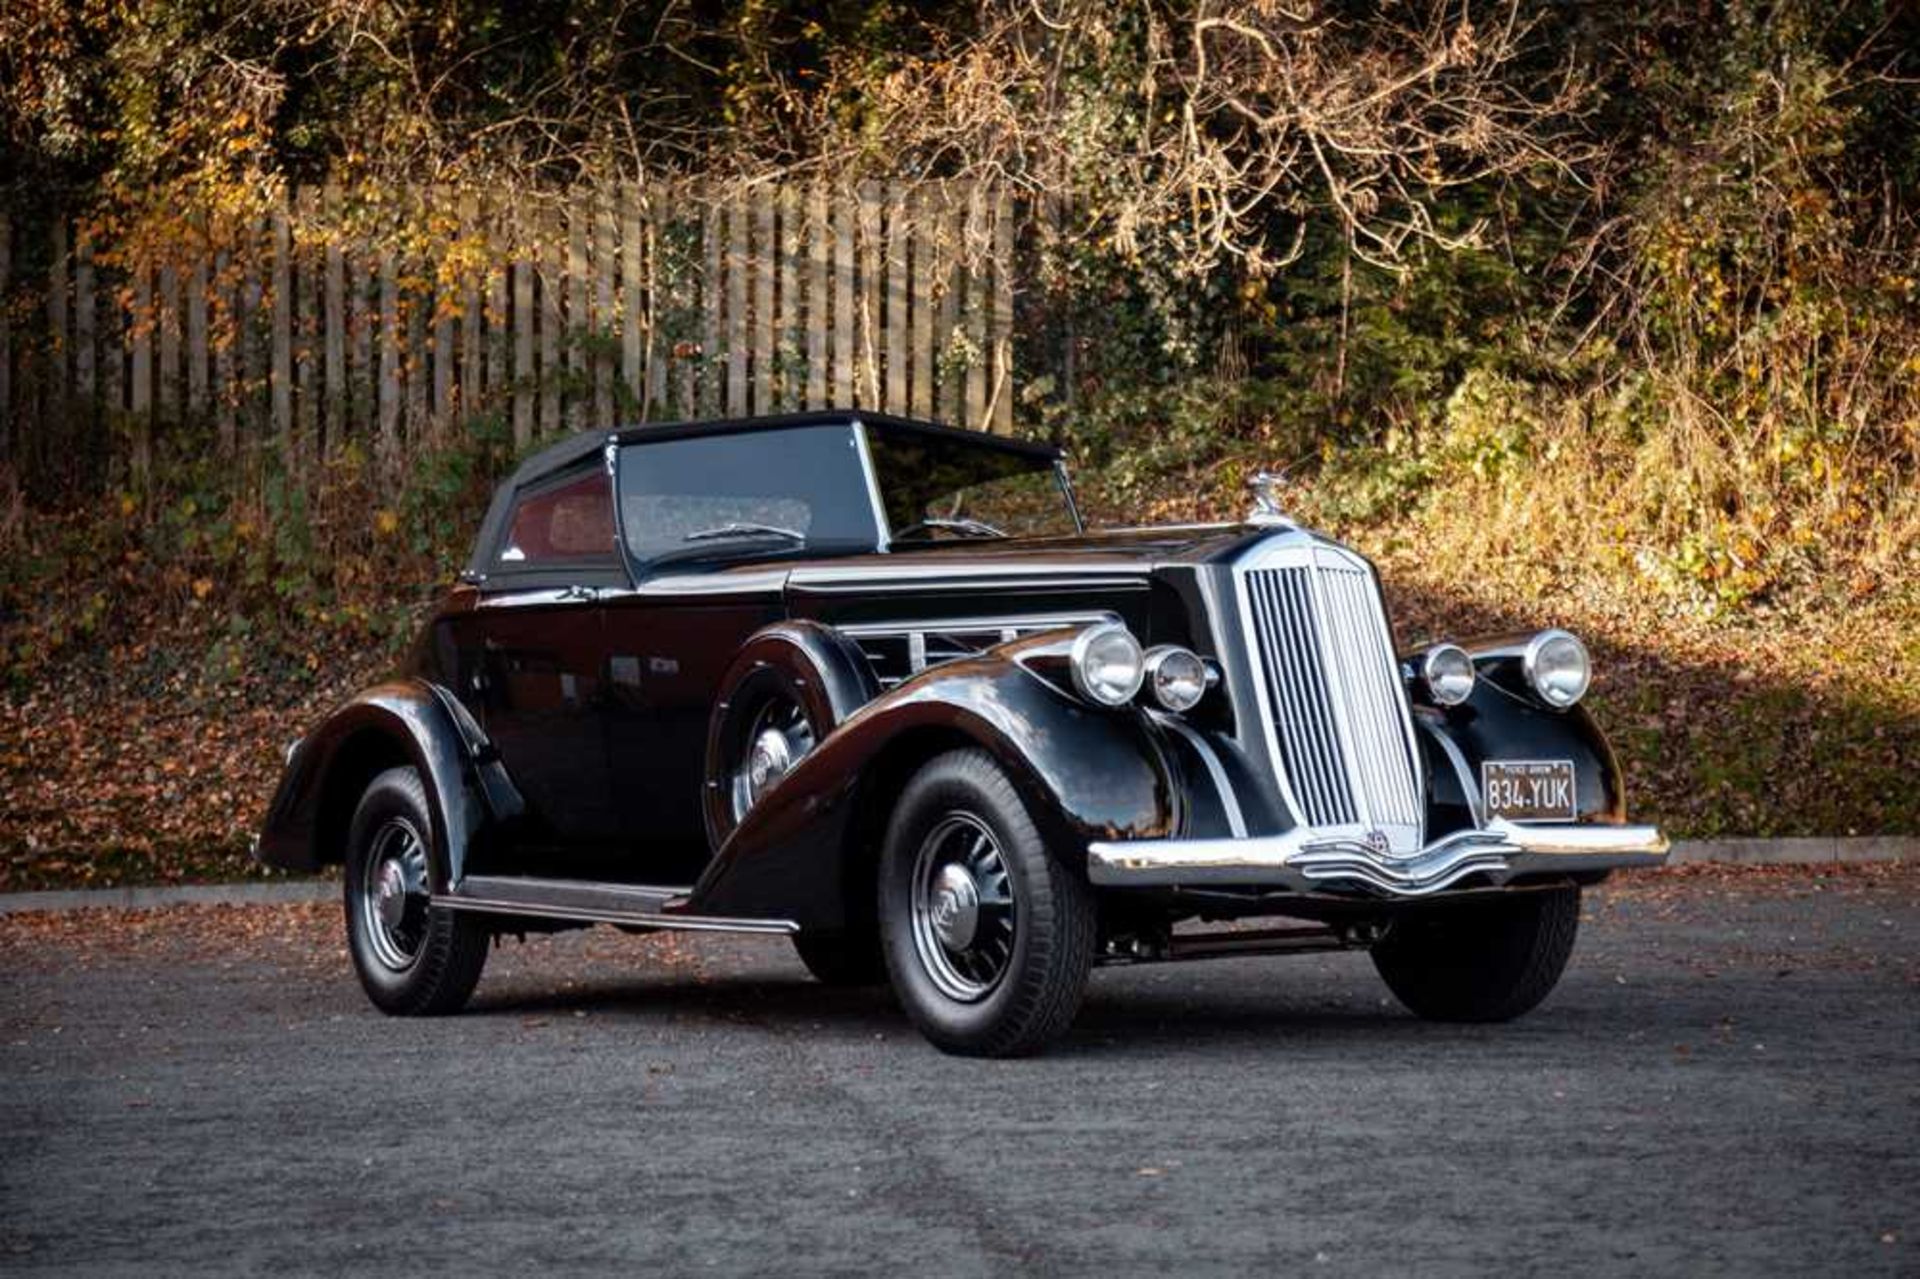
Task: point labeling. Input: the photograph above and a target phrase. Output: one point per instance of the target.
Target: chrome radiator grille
(1332, 692)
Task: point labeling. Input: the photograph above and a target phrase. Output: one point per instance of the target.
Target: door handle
(580, 593)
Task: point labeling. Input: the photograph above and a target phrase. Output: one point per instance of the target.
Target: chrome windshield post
(864, 448)
(1066, 491)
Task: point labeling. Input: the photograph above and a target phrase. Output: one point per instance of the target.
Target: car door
(535, 653)
(706, 584)
(668, 652)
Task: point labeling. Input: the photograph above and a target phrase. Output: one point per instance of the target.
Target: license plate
(1528, 789)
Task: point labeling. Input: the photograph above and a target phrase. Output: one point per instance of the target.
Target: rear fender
(401, 723)
(805, 851)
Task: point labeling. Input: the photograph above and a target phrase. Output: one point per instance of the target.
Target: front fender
(403, 722)
(804, 851)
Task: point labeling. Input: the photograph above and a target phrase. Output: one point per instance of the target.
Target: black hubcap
(393, 894)
(964, 913)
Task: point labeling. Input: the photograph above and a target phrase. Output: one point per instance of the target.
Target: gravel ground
(1728, 1081)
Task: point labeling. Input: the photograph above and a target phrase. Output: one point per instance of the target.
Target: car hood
(1101, 557)
(1136, 551)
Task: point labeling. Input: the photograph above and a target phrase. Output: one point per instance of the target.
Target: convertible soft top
(565, 453)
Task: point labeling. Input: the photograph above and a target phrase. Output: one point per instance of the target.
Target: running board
(633, 904)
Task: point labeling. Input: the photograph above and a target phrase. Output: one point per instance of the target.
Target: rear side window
(564, 524)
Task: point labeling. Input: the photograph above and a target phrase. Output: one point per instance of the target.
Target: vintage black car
(869, 683)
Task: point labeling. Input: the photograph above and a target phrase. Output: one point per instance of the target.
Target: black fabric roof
(562, 454)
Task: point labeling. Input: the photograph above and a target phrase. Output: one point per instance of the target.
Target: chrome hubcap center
(964, 917)
(390, 898)
(956, 907)
(769, 761)
(391, 895)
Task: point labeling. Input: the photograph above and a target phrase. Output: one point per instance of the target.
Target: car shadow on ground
(1116, 1019)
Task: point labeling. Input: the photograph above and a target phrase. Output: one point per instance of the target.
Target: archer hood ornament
(1267, 510)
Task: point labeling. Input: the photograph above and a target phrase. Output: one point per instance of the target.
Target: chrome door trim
(772, 581)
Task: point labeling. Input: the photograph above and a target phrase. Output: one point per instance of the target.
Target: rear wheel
(769, 720)
(988, 939)
(1482, 961)
(773, 733)
(412, 957)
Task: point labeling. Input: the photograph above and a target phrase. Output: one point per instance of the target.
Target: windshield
(939, 488)
(766, 491)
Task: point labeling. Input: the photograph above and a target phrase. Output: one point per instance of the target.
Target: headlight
(1448, 673)
(1177, 677)
(1107, 664)
(1557, 666)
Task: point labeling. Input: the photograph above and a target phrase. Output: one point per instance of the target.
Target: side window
(568, 524)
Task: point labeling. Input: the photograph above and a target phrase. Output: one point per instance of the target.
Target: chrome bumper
(1305, 861)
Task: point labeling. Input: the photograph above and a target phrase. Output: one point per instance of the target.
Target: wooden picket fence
(302, 330)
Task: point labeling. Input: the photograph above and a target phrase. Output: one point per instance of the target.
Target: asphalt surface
(1728, 1081)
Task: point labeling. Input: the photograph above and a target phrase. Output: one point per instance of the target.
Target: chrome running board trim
(1306, 861)
(595, 903)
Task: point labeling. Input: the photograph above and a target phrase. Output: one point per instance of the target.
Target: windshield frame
(957, 437)
(695, 556)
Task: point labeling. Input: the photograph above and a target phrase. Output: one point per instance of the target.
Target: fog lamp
(1448, 673)
(1176, 676)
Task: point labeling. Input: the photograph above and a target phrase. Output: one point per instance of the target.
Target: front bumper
(1305, 861)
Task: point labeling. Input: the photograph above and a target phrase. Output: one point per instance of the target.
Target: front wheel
(988, 939)
(412, 957)
(1481, 961)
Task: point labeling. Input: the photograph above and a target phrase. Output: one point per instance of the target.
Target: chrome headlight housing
(1447, 672)
(1176, 677)
(1557, 668)
(1107, 664)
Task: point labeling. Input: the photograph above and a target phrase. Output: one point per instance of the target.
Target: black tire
(843, 959)
(428, 960)
(1046, 926)
(1483, 961)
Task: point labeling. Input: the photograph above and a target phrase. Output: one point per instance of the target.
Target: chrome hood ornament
(1266, 510)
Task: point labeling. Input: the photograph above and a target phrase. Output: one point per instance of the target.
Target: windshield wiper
(969, 527)
(745, 528)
